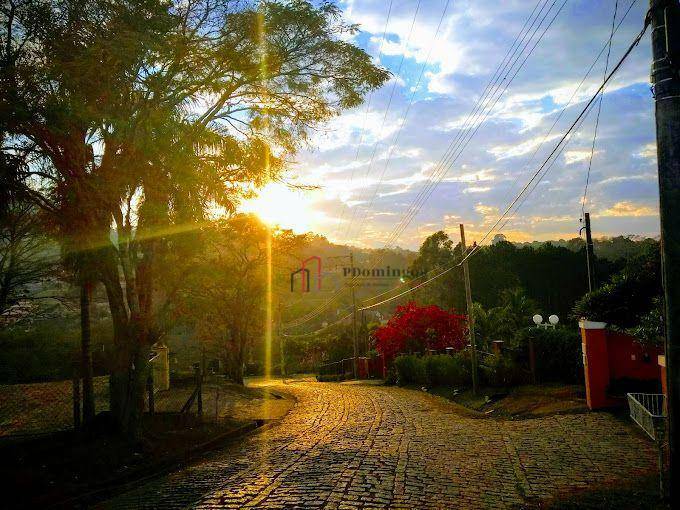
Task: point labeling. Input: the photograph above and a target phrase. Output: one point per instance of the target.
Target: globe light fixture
(552, 321)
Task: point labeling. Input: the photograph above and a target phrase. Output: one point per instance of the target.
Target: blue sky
(622, 197)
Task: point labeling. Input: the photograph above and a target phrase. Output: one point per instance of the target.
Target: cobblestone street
(367, 446)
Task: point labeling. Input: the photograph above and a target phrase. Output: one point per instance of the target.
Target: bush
(46, 350)
(436, 370)
(444, 370)
(410, 370)
(628, 297)
(557, 352)
(502, 371)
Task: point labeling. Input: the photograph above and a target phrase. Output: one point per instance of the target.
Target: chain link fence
(44, 407)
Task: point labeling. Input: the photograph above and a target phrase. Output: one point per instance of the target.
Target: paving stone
(365, 446)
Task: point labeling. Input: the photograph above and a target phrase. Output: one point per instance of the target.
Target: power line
(537, 175)
(550, 159)
(597, 118)
(406, 112)
(483, 101)
(368, 108)
(571, 99)
(387, 109)
(460, 142)
(312, 333)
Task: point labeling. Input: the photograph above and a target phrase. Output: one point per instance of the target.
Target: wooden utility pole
(355, 339)
(471, 320)
(590, 254)
(665, 25)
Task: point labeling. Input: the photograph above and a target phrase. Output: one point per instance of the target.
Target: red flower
(415, 328)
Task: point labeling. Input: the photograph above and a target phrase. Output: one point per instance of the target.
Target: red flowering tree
(415, 328)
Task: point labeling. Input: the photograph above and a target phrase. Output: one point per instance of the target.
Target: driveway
(367, 446)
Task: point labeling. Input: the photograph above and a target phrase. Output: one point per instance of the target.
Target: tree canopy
(149, 117)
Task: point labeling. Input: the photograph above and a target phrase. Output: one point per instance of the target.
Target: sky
(367, 183)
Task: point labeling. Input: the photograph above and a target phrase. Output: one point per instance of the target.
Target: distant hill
(610, 248)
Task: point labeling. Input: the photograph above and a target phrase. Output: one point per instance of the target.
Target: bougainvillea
(415, 328)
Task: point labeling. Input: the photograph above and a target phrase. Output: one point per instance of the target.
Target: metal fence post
(199, 393)
(149, 390)
(76, 397)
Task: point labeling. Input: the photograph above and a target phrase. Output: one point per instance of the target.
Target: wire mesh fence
(44, 407)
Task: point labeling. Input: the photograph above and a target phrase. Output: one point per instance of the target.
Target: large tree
(147, 116)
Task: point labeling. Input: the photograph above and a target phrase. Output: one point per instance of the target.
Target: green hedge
(557, 351)
(435, 370)
(502, 371)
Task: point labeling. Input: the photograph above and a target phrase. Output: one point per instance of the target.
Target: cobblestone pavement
(364, 446)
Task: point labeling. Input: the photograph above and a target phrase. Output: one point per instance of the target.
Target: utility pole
(590, 254)
(665, 24)
(355, 340)
(471, 320)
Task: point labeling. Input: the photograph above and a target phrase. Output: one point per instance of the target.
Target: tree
(149, 115)
(631, 298)
(415, 328)
(226, 293)
(24, 253)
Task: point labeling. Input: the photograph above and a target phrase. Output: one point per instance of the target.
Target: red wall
(629, 359)
(608, 356)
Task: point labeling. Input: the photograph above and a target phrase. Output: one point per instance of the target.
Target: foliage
(557, 352)
(628, 297)
(151, 115)
(434, 370)
(502, 371)
(410, 369)
(46, 350)
(415, 328)
(503, 322)
(445, 370)
(650, 329)
(552, 276)
(25, 258)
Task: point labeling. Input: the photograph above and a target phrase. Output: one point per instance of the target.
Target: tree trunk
(86, 353)
(129, 368)
(127, 386)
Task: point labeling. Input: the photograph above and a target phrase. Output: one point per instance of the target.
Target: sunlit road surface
(365, 446)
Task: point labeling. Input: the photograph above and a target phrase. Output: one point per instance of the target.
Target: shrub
(410, 370)
(436, 370)
(502, 371)
(415, 328)
(627, 297)
(557, 352)
(444, 370)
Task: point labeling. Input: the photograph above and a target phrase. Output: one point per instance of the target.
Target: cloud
(498, 157)
(630, 209)
(577, 155)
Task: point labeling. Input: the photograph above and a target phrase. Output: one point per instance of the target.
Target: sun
(280, 206)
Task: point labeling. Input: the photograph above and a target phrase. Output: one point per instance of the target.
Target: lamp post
(538, 320)
(552, 321)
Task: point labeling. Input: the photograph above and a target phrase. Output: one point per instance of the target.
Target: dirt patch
(522, 402)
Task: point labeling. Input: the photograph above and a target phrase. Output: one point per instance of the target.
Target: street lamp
(552, 321)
